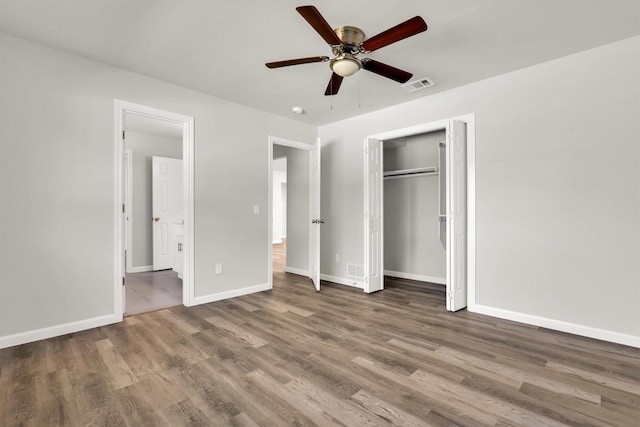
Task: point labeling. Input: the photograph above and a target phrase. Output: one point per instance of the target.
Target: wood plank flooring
(295, 357)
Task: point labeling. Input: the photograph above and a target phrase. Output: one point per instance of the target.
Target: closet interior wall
(412, 247)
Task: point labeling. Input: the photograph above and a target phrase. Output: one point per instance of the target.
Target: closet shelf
(409, 173)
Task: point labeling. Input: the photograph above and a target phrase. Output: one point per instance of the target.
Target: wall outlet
(219, 268)
(337, 257)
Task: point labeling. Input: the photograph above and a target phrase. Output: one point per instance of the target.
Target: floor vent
(415, 85)
(354, 270)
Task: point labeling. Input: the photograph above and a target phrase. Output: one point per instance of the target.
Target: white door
(456, 215)
(374, 275)
(167, 205)
(128, 217)
(314, 211)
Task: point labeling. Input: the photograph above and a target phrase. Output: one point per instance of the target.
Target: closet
(414, 202)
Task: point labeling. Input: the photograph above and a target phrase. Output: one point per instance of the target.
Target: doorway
(298, 215)
(153, 214)
(459, 214)
(279, 212)
(154, 233)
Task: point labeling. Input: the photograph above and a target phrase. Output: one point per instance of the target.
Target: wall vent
(419, 84)
(356, 271)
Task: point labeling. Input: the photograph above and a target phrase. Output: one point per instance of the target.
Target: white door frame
(302, 146)
(469, 119)
(120, 109)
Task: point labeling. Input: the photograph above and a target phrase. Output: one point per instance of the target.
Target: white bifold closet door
(456, 215)
(374, 271)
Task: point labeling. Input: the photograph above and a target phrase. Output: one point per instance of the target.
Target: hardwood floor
(294, 356)
(279, 256)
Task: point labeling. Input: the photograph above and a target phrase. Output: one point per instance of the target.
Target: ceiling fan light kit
(345, 65)
(347, 42)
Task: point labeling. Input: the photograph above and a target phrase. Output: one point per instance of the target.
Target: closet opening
(414, 198)
(423, 179)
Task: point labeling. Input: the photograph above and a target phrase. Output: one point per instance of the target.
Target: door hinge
(123, 208)
(123, 136)
(123, 281)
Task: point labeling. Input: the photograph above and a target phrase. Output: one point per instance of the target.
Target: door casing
(120, 109)
(469, 120)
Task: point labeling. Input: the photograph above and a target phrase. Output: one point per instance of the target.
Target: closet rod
(406, 173)
(411, 175)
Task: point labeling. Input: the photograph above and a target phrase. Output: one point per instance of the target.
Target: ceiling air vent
(415, 85)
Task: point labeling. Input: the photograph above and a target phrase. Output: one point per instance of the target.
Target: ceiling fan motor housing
(351, 37)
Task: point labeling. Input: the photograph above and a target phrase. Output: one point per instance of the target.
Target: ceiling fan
(347, 42)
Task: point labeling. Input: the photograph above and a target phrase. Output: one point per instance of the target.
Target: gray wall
(143, 147)
(297, 205)
(57, 184)
(411, 241)
(557, 186)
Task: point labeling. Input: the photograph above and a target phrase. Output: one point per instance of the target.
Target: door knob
(156, 219)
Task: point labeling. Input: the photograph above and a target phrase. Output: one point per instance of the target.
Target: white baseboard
(230, 294)
(277, 241)
(343, 281)
(141, 269)
(418, 277)
(298, 271)
(558, 325)
(55, 331)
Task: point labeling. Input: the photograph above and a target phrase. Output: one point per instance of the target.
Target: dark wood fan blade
(408, 28)
(385, 70)
(313, 17)
(334, 85)
(298, 61)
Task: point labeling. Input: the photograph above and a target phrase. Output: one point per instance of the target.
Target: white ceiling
(220, 47)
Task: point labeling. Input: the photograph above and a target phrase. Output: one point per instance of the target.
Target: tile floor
(152, 290)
